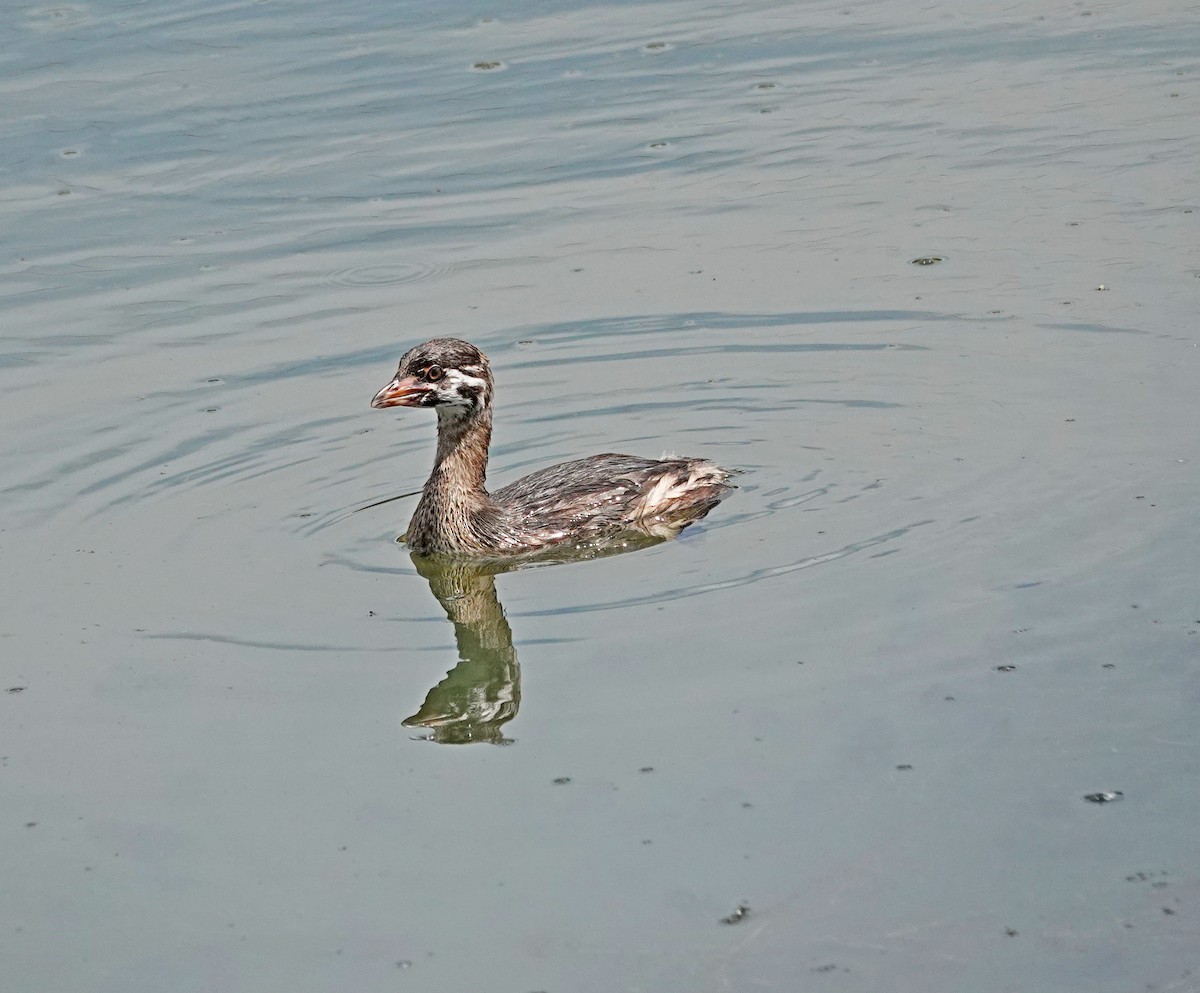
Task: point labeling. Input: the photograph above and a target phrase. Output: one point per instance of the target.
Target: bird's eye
(434, 373)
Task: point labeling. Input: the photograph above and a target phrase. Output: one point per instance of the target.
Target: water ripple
(387, 273)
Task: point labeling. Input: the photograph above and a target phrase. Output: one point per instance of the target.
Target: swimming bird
(580, 504)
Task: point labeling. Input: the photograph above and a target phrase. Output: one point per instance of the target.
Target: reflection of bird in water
(587, 502)
(482, 693)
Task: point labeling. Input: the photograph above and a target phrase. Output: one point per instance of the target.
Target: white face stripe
(449, 394)
(457, 376)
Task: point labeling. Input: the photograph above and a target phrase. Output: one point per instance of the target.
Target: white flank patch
(672, 488)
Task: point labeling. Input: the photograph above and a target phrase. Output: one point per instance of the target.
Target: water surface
(954, 594)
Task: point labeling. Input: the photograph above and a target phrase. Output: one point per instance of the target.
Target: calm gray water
(955, 593)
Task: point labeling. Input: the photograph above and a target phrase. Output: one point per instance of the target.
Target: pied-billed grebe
(582, 502)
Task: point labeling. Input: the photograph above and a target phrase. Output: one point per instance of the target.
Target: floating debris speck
(739, 914)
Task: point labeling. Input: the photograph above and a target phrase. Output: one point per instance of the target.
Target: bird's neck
(460, 467)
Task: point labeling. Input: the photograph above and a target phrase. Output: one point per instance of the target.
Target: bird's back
(614, 491)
